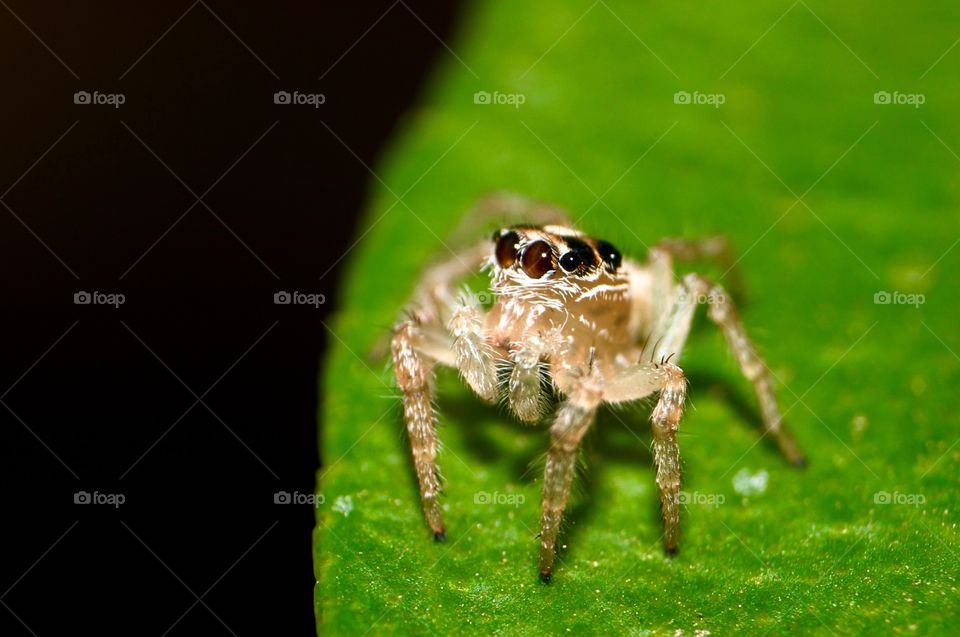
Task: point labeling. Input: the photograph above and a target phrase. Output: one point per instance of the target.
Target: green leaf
(830, 198)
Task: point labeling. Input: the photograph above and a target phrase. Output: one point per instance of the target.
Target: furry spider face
(562, 284)
(545, 253)
(545, 275)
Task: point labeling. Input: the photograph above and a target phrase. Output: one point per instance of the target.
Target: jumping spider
(601, 328)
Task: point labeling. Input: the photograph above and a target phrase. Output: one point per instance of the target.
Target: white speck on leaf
(343, 504)
(747, 484)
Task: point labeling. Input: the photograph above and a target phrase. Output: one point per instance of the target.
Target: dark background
(96, 198)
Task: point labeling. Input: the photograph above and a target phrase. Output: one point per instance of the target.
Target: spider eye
(570, 261)
(537, 259)
(506, 250)
(580, 255)
(610, 255)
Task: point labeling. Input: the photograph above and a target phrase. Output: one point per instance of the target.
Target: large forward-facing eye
(610, 255)
(537, 259)
(579, 256)
(506, 250)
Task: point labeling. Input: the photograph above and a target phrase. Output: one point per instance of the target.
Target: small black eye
(570, 261)
(610, 255)
(506, 250)
(579, 256)
(537, 259)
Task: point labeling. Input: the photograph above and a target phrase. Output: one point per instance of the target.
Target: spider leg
(695, 289)
(724, 314)
(435, 294)
(573, 419)
(664, 421)
(716, 248)
(637, 382)
(420, 342)
(415, 377)
(525, 393)
(473, 355)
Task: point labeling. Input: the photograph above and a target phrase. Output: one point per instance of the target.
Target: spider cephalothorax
(600, 328)
(558, 292)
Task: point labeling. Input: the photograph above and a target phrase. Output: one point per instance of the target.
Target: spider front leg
(664, 421)
(415, 377)
(524, 390)
(473, 355)
(574, 418)
(638, 382)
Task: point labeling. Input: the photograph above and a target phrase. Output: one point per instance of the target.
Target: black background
(104, 399)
